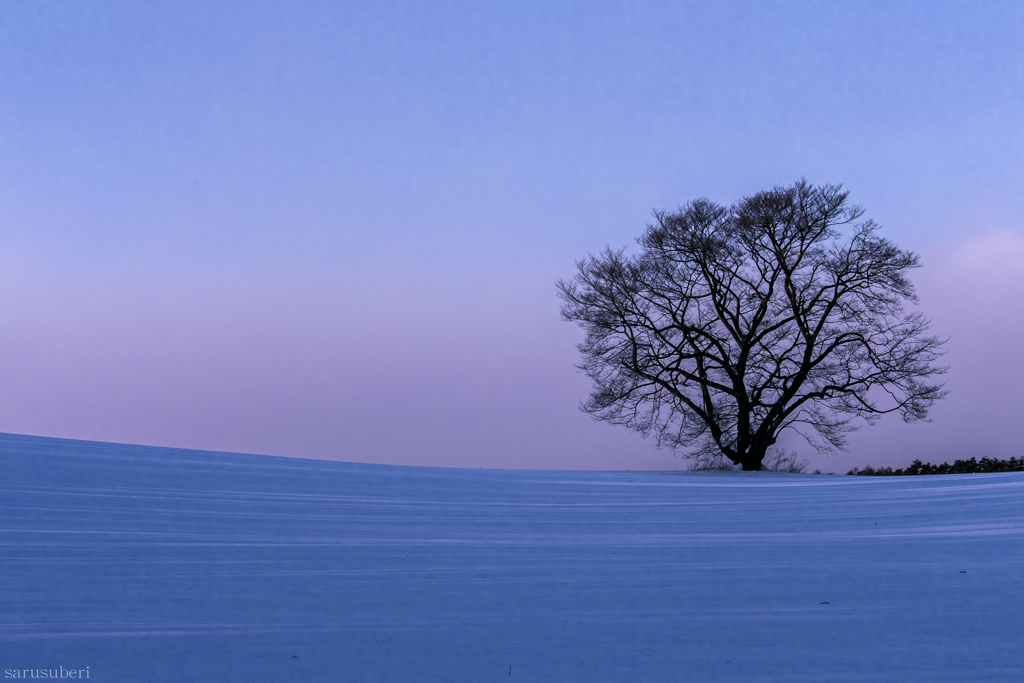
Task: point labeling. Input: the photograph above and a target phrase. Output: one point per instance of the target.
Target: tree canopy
(733, 324)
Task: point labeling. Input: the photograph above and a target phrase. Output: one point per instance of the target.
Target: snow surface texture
(151, 564)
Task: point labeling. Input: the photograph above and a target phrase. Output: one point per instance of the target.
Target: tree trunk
(752, 459)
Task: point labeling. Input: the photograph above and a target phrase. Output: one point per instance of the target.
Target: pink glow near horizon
(974, 294)
(390, 381)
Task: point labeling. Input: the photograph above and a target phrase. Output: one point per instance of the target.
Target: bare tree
(733, 324)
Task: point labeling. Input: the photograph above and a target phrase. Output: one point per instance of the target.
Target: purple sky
(333, 232)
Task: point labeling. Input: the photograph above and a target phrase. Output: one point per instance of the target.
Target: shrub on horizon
(972, 466)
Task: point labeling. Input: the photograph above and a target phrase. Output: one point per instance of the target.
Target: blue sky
(332, 229)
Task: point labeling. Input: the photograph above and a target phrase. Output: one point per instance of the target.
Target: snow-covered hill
(150, 564)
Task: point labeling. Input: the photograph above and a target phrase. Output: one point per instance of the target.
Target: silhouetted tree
(733, 324)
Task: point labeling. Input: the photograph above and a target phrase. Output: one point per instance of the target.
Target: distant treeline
(971, 466)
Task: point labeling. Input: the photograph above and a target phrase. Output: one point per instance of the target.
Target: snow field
(150, 564)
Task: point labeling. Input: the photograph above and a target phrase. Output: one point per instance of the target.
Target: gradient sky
(332, 230)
